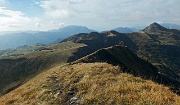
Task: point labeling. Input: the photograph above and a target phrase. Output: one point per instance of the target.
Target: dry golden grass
(89, 84)
(16, 70)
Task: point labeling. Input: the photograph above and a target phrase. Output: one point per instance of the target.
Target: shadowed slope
(120, 55)
(161, 47)
(97, 40)
(130, 63)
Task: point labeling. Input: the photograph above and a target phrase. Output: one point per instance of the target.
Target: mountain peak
(123, 30)
(154, 27)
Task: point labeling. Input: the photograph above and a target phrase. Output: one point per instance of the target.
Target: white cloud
(97, 14)
(10, 18)
(111, 13)
(57, 8)
(9, 13)
(36, 2)
(16, 20)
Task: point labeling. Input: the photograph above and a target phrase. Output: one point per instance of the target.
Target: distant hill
(14, 40)
(155, 43)
(97, 40)
(21, 50)
(74, 29)
(170, 25)
(71, 30)
(123, 30)
(19, 39)
(154, 27)
(161, 47)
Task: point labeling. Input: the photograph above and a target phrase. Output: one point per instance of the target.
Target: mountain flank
(130, 63)
(97, 40)
(161, 47)
(89, 83)
(17, 70)
(120, 55)
(154, 27)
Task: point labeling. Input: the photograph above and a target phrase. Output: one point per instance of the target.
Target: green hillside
(161, 47)
(17, 70)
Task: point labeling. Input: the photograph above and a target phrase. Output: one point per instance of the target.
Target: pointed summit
(154, 27)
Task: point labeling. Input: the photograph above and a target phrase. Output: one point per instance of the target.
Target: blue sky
(96, 14)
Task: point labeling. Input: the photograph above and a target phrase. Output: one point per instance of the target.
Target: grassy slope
(89, 83)
(21, 50)
(123, 56)
(161, 48)
(15, 70)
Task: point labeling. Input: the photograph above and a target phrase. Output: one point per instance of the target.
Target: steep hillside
(161, 47)
(130, 63)
(154, 27)
(17, 70)
(21, 50)
(120, 55)
(89, 84)
(154, 44)
(97, 40)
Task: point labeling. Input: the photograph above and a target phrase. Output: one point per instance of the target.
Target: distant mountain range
(170, 25)
(138, 28)
(14, 40)
(125, 30)
(154, 27)
(154, 43)
(152, 53)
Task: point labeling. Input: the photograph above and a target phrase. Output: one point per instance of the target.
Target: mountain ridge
(14, 40)
(122, 56)
(160, 47)
(101, 40)
(154, 27)
(147, 54)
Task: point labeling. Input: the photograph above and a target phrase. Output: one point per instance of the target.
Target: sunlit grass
(90, 84)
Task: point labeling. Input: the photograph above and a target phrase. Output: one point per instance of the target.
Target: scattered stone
(73, 101)
(57, 94)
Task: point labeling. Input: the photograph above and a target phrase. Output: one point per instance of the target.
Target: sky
(21, 15)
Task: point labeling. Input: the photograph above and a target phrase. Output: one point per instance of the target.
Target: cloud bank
(96, 14)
